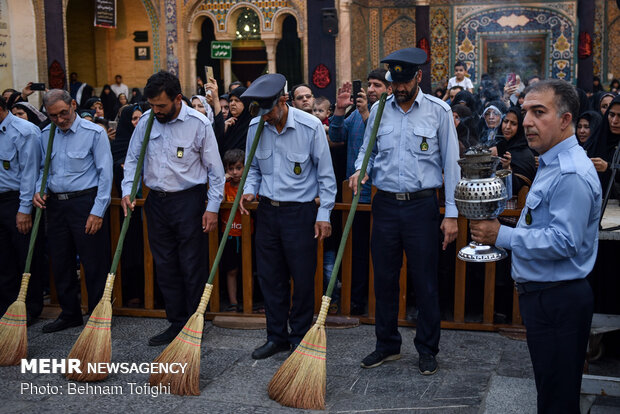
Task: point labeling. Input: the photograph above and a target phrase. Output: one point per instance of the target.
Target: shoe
(268, 349)
(60, 325)
(427, 364)
(377, 358)
(233, 307)
(165, 337)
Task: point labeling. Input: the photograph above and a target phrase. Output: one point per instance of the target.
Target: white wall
(22, 40)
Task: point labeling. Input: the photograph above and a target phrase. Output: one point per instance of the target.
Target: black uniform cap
(264, 92)
(403, 64)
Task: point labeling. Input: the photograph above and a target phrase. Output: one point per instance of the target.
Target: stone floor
(479, 373)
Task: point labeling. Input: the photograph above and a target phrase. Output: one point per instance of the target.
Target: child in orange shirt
(231, 257)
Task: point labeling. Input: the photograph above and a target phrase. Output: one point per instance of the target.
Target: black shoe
(60, 325)
(377, 358)
(269, 349)
(165, 337)
(427, 364)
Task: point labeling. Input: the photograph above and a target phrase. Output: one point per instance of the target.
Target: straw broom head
(300, 381)
(185, 348)
(13, 330)
(94, 344)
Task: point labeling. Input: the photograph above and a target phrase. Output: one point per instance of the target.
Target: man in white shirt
(119, 87)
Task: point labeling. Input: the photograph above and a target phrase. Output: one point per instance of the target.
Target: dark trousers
(285, 248)
(179, 249)
(361, 261)
(13, 253)
(558, 321)
(66, 229)
(413, 226)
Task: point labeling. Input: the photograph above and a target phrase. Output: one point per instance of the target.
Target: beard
(405, 96)
(167, 117)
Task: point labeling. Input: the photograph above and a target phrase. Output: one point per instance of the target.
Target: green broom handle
(132, 195)
(37, 215)
(235, 205)
(349, 223)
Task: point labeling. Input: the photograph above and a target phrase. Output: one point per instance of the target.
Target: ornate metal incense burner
(480, 195)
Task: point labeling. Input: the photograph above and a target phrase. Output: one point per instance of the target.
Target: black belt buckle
(402, 196)
(274, 203)
(62, 196)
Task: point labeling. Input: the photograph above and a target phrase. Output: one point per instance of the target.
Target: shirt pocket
(9, 160)
(265, 161)
(385, 139)
(77, 161)
(297, 164)
(532, 208)
(181, 152)
(424, 141)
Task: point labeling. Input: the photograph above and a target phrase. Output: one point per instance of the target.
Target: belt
(163, 194)
(73, 194)
(529, 287)
(9, 194)
(429, 192)
(275, 203)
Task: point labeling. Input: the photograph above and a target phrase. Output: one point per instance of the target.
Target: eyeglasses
(62, 114)
(302, 97)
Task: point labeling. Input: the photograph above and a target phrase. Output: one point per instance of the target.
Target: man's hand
(23, 222)
(125, 202)
(245, 198)
(343, 99)
(600, 165)
(39, 201)
(209, 221)
(111, 133)
(353, 181)
(93, 224)
(450, 230)
(322, 230)
(361, 102)
(484, 231)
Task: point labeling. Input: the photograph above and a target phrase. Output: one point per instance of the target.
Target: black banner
(105, 13)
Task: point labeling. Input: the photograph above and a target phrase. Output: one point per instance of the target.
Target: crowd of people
(308, 146)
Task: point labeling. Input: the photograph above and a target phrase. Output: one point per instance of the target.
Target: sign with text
(105, 13)
(221, 50)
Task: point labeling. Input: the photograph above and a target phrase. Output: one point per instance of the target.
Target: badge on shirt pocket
(424, 144)
(297, 168)
(179, 152)
(6, 164)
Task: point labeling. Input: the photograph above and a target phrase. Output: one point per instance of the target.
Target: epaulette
(437, 101)
(567, 163)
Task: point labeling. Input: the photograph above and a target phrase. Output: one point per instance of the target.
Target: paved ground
(479, 373)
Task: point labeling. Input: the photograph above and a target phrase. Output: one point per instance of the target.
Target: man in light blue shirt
(76, 199)
(415, 153)
(181, 156)
(19, 158)
(292, 167)
(554, 245)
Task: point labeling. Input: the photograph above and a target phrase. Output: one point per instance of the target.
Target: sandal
(233, 307)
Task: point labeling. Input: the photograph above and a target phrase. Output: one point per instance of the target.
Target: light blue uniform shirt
(180, 154)
(302, 143)
(81, 159)
(20, 158)
(399, 163)
(565, 205)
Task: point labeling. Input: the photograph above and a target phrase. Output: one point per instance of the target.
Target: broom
(186, 346)
(94, 344)
(300, 381)
(13, 329)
